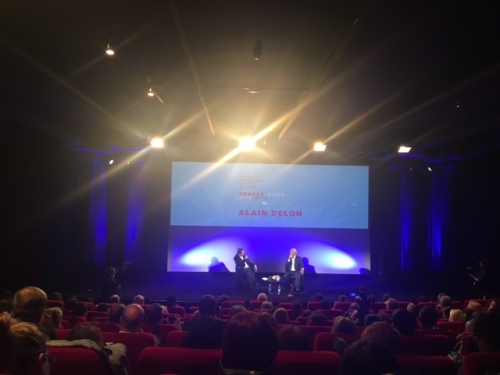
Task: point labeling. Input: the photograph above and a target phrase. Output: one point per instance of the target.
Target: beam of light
(327, 258)
(318, 146)
(404, 149)
(157, 143)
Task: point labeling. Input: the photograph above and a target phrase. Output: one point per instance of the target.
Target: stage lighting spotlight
(247, 144)
(404, 149)
(111, 161)
(429, 169)
(318, 146)
(157, 143)
(109, 50)
(151, 93)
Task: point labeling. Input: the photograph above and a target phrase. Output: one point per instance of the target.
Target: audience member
(456, 316)
(281, 316)
(115, 298)
(469, 325)
(103, 306)
(138, 300)
(291, 337)
(116, 312)
(262, 297)
(317, 318)
(267, 305)
(486, 329)
(344, 325)
(86, 331)
(171, 301)
(204, 331)
(325, 305)
(370, 319)
(404, 321)
(428, 318)
(290, 298)
(342, 298)
(80, 309)
(474, 305)
(368, 358)
(444, 301)
(56, 296)
(22, 344)
(446, 312)
(439, 297)
(296, 306)
(249, 344)
(385, 297)
(132, 318)
(423, 298)
(70, 303)
(414, 309)
(235, 309)
(153, 314)
(270, 319)
(385, 335)
(318, 297)
(51, 319)
(391, 304)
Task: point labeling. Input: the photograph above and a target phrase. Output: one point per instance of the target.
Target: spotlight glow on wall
(247, 144)
(157, 143)
(404, 149)
(318, 146)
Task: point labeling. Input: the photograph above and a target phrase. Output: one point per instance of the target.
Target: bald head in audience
(29, 304)
(132, 318)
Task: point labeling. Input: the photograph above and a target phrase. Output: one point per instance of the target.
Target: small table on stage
(275, 286)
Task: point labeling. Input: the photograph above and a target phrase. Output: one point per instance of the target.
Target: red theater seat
(428, 365)
(77, 361)
(311, 331)
(306, 363)
(481, 363)
(252, 305)
(90, 305)
(109, 327)
(175, 339)
(162, 330)
(192, 309)
(455, 327)
(324, 340)
(229, 303)
(285, 305)
(65, 324)
(331, 313)
(62, 334)
(457, 305)
(155, 361)
(403, 305)
(74, 320)
(434, 332)
(94, 314)
(294, 314)
(430, 345)
(312, 305)
(135, 343)
(54, 303)
(425, 304)
(101, 319)
(179, 310)
(469, 344)
(377, 306)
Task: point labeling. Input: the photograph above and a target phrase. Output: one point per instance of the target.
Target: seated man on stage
(294, 267)
(242, 262)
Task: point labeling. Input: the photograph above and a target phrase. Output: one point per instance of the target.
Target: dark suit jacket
(298, 264)
(241, 263)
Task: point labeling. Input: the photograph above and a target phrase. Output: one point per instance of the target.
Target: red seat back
(481, 363)
(192, 309)
(428, 345)
(434, 332)
(154, 361)
(377, 306)
(135, 343)
(403, 305)
(332, 313)
(294, 314)
(94, 314)
(54, 303)
(179, 310)
(306, 363)
(162, 330)
(175, 339)
(62, 334)
(455, 327)
(428, 365)
(324, 340)
(90, 305)
(312, 305)
(77, 361)
(74, 320)
(311, 331)
(101, 319)
(252, 305)
(285, 305)
(425, 304)
(230, 303)
(469, 344)
(65, 324)
(109, 327)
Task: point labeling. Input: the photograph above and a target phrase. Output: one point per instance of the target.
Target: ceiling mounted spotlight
(157, 142)
(257, 50)
(109, 50)
(404, 149)
(151, 93)
(111, 161)
(247, 144)
(319, 146)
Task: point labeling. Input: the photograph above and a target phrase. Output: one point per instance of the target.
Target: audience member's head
(318, 297)
(249, 343)
(474, 305)
(138, 300)
(493, 305)
(428, 318)
(446, 312)
(439, 297)
(132, 318)
(370, 319)
(457, 316)
(422, 298)
(343, 325)
(486, 329)
(22, 346)
(384, 317)
(153, 313)
(368, 358)
(235, 309)
(86, 331)
(115, 298)
(171, 301)
(103, 306)
(414, 309)
(306, 314)
(267, 305)
(342, 298)
(80, 309)
(71, 303)
(52, 318)
(56, 296)
(281, 316)
(222, 298)
(445, 301)
(296, 306)
(385, 335)
(385, 297)
(404, 321)
(116, 312)
(291, 337)
(353, 306)
(325, 305)
(207, 305)
(262, 297)
(270, 319)
(29, 304)
(317, 318)
(290, 298)
(391, 304)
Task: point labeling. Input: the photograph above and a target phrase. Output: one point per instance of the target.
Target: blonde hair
(474, 305)
(456, 316)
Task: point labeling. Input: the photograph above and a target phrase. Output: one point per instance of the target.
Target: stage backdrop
(268, 209)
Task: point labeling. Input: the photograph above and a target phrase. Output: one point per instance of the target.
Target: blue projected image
(269, 195)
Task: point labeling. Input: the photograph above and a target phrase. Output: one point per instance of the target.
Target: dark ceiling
(363, 76)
